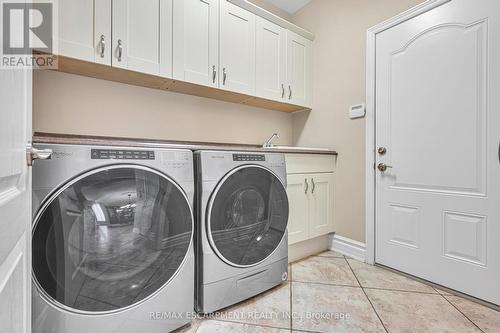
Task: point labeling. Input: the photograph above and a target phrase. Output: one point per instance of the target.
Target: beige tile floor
(332, 293)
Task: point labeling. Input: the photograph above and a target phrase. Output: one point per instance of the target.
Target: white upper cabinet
(299, 69)
(237, 49)
(85, 30)
(196, 41)
(270, 60)
(230, 45)
(142, 36)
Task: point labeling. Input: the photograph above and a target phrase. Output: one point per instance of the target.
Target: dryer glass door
(110, 238)
(248, 215)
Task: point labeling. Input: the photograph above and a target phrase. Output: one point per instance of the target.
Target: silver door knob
(383, 167)
(382, 151)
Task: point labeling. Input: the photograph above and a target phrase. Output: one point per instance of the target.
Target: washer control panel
(249, 158)
(118, 154)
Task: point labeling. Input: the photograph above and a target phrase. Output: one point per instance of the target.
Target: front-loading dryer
(112, 240)
(241, 241)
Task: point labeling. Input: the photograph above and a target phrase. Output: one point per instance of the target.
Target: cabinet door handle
(313, 185)
(306, 184)
(289, 92)
(120, 50)
(224, 76)
(214, 74)
(282, 90)
(102, 43)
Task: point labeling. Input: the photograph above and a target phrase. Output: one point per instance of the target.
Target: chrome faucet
(268, 143)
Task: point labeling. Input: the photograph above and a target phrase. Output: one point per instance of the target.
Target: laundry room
(250, 166)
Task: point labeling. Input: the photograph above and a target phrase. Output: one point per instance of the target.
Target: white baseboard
(348, 247)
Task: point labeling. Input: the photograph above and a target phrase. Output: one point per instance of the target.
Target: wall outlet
(357, 111)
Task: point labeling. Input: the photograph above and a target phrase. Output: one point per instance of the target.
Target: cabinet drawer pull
(103, 45)
(313, 185)
(306, 184)
(120, 50)
(282, 90)
(214, 74)
(224, 76)
(289, 92)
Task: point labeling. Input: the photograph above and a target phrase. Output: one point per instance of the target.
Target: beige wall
(65, 103)
(339, 81)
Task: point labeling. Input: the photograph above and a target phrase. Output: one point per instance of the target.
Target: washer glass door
(248, 216)
(110, 238)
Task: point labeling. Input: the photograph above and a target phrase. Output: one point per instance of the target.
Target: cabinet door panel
(237, 49)
(321, 204)
(299, 69)
(84, 30)
(196, 46)
(271, 60)
(141, 35)
(298, 218)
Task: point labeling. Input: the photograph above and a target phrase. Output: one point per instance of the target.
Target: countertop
(129, 142)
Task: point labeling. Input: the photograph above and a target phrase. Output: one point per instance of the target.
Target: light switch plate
(357, 111)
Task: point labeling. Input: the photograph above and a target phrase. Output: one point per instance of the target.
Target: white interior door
(196, 41)
(15, 201)
(237, 49)
(85, 30)
(142, 36)
(437, 116)
(271, 60)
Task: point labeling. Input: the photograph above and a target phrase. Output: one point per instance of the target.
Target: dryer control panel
(249, 157)
(118, 154)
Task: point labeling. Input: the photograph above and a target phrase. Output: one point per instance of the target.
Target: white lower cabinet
(310, 197)
(320, 200)
(298, 217)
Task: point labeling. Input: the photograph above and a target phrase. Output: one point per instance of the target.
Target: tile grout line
(366, 295)
(463, 314)
(402, 291)
(329, 284)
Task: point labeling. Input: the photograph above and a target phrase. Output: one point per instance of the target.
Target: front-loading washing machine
(241, 241)
(112, 239)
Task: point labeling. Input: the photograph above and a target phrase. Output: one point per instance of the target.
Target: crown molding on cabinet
(253, 8)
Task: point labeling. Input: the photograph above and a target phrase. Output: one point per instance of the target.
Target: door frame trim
(370, 148)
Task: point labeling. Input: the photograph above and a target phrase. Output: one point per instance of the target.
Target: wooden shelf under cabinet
(104, 72)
